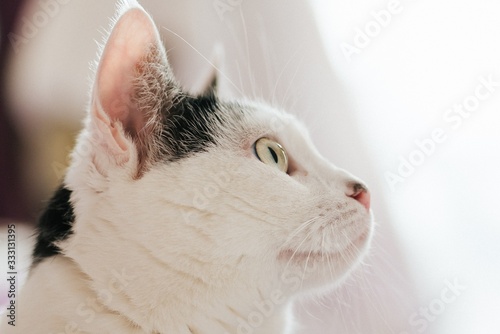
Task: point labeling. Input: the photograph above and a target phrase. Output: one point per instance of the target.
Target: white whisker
(278, 79)
(301, 227)
(247, 54)
(297, 248)
(205, 58)
(285, 96)
(305, 269)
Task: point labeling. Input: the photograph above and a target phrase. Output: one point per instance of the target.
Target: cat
(185, 213)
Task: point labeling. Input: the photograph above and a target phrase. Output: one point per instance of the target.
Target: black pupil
(275, 156)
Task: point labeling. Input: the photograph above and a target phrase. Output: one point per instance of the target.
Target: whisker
(298, 247)
(278, 79)
(245, 34)
(240, 76)
(329, 259)
(285, 96)
(299, 229)
(305, 269)
(205, 58)
(345, 255)
(269, 59)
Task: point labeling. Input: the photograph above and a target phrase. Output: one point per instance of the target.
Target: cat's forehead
(257, 119)
(197, 123)
(263, 120)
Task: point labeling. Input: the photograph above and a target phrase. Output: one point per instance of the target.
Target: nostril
(360, 194)
(363, 197)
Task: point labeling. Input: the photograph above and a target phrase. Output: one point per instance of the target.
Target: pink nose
(360, 194)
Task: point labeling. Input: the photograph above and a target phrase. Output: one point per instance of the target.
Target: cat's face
(225, 205)
(167, 183)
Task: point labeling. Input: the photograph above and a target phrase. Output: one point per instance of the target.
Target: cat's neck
(182, 314)
(180, 292)
(240, 307)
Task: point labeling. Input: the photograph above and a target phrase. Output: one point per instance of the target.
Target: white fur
(198, 245)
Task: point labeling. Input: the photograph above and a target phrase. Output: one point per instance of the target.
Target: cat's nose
(360, 193)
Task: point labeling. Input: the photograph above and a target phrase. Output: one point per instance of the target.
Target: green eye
(271, 153)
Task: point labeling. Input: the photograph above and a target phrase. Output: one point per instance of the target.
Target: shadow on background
(13, 202)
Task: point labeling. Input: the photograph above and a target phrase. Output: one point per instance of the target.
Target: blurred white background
(429, 58)
(370, 78)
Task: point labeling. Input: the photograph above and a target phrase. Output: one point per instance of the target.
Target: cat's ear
(210, 88)
(133, 83)
(210, 82)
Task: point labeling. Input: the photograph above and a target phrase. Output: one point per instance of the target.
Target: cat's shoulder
(54, 224)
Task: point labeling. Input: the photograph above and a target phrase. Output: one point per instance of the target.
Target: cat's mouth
(347, 254)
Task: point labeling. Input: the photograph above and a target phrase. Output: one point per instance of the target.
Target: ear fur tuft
(133, 84)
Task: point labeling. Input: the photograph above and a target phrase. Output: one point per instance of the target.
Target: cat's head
(193, 190)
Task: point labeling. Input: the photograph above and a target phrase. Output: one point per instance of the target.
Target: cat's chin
(352, 251)
(355, 247)
(317, 270)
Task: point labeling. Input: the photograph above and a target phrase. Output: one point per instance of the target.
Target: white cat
(186, 214)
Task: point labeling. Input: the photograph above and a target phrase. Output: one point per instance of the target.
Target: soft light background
(365, 112)
(429, 58)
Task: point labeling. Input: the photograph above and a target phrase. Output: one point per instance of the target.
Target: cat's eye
(271, 153)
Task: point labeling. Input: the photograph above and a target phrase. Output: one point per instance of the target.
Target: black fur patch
(188, 128)
(54, 225)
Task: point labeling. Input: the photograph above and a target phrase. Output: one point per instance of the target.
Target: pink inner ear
(129, 43)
